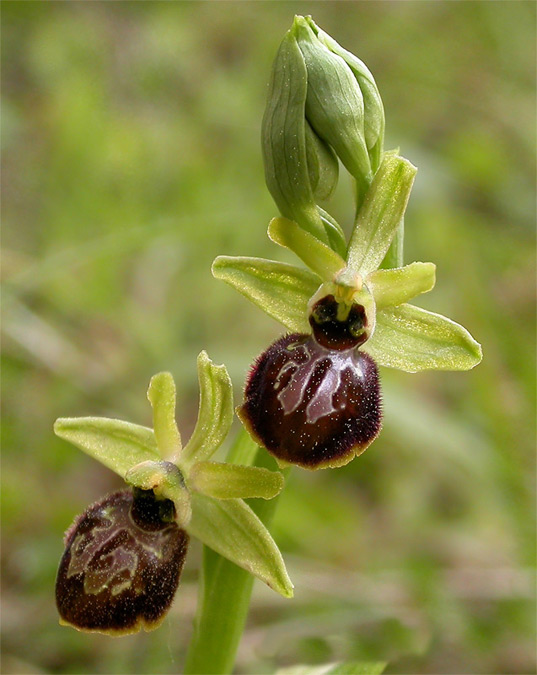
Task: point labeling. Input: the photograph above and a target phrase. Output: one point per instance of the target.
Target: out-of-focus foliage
(131, 158)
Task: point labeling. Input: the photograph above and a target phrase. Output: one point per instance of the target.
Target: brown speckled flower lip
(312, 406)
(121, 566)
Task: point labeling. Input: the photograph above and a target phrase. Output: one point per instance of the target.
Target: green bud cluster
(323, 106)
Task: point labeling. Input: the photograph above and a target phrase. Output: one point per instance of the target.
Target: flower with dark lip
(121, 566)
(315, 400)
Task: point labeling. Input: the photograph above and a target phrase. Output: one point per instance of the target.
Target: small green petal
(116, 444)
(232, 529)
(279, 289)
(227, 481)
(413, 339)
(396, 286)
(319, 257)
(161, 395)
(215, 412)
(382, 210)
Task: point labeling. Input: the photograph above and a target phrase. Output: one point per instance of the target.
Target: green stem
(225, 588)
(394, 255)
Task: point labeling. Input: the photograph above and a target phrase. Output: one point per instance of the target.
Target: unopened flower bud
(334, 101)
(373, 108)
(323, 104)
(285, 148)
(121, 566)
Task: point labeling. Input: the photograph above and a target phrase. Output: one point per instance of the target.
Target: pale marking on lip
(321, 404)
(121, 559)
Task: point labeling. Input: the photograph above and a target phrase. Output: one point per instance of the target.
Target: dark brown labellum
(121, 566)
(312, 406)
(337, 326)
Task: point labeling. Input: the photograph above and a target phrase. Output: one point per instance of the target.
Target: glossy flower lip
(121, 566)
(312, 406)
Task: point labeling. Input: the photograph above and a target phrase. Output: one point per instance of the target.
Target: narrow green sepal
(396, 286)
(230, 481)
(215, 413)
(319, 257)
(380, 214)
(232, 529)
(412, 339)
(279, 289)
(162, 396)
(167, 482)
(117, 444)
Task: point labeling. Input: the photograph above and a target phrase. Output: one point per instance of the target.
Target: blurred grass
(131, 159)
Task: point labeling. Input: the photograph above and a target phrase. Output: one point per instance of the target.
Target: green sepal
(117, 444)
(284, 139)
(162, 396)
(346, 668)
(215, 413)
(232, 529)
(380, 214)
(396, 286)
(230, 481)
(412, 339)
(167, 482)
(319, 257)
(279, 289)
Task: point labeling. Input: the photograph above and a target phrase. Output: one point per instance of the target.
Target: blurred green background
(131, 158)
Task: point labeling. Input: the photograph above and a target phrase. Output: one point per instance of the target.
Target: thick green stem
(225, 589)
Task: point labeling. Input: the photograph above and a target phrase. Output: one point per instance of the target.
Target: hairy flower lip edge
(327, 464)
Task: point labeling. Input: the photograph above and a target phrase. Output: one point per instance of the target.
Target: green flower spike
(174, 486)
(313, 397)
